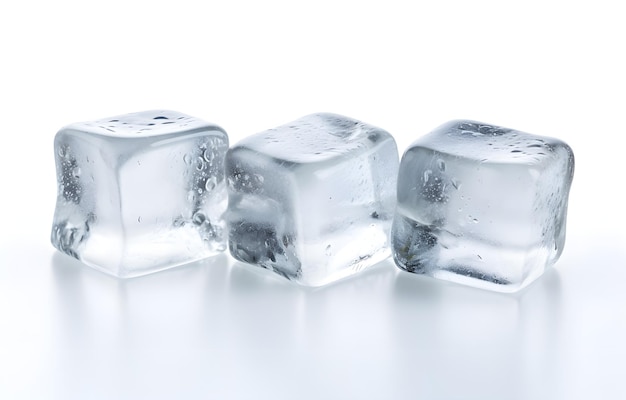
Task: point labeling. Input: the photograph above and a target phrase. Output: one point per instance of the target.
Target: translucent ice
(482, 205)
(140, 192)
(312, 200)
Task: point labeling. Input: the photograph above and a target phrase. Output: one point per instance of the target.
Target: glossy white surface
(218, 330)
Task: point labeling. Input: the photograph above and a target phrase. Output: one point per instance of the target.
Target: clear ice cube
(312, 200)
(482, 205)
(140, 192)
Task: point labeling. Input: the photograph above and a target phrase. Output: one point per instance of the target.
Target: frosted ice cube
(312, 200)
(140, 192)
(482, 205)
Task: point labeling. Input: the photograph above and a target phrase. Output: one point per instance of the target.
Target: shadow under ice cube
(312, 200)
(482, 205)
(140, 192)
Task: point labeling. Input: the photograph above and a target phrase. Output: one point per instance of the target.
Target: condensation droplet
(441, 165)
(187, 159)
(210, 183)
(208, 155)
(199, 164)
(427, 174)
(198, 218)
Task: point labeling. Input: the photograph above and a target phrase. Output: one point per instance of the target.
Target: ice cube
(312, 200)
(482, 205)
(140, 192)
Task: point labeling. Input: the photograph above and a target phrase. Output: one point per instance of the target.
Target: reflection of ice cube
(140, 192)
(482, 205)
(312, 200)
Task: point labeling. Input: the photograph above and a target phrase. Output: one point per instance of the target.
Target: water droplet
(160, 117)
(259, 178)
(441, 165)
(198, 218)
(210, 183)
(191, 196)
(200, 164)
(139, 219)
(187, 159)
(208, 155)
(76, 172)
(328, 250)
(455, 183)
(427, 174)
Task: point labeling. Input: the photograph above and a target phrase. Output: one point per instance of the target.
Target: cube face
(141, 192)
(482, 205)
(312, 200)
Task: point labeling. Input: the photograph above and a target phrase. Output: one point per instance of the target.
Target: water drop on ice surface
(198, 218)
(427, 174)
(441, 165)
(210, 183)
(208, 155)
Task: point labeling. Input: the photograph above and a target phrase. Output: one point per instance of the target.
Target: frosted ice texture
(140, 192)
(482, 205)
(312, 200)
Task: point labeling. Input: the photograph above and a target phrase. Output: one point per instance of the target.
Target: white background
(217, 329)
